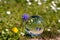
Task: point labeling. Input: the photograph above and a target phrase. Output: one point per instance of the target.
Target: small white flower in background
(54, 8)
(53, 3)
(22, 34)
(58, 8)
(58, 31)
(36, 0)
(29, 3)
(3, 32)
(28, 0)
(6, 29)
(8, 12)
(39, 3)
(48, 29)
(59, 21)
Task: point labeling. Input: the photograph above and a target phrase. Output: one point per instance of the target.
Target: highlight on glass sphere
(34, 25)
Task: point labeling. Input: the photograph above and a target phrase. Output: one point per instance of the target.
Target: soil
(57, 38)
(41, 38)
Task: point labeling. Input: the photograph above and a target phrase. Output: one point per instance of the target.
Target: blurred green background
(17, 8)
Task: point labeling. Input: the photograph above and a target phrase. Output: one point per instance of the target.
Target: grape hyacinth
(25, 17)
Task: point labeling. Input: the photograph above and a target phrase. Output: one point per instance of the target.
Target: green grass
(18, 8)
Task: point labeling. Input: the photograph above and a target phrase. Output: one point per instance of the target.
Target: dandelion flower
(14, 29)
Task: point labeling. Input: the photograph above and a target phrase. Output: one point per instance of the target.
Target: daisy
(8, 12)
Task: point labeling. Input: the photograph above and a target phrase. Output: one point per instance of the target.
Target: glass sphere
(34, 25)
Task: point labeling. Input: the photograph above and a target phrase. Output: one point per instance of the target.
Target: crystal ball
(34, 25)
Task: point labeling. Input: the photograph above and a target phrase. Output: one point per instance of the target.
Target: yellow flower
(14, 29)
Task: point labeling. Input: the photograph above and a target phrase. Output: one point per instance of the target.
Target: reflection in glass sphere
(34, 25)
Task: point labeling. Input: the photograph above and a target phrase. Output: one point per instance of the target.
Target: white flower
(36, 0)
(28, 0)
(48, 29)
(53, 3)
(8, 12)
(6, 29)
(58, 8)
(22, 34)
(29, 3)
(54, 8)
(58, 31)
(59, 21)
(3, 32)
(39, 3)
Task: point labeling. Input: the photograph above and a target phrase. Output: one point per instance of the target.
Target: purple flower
(25, 17)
